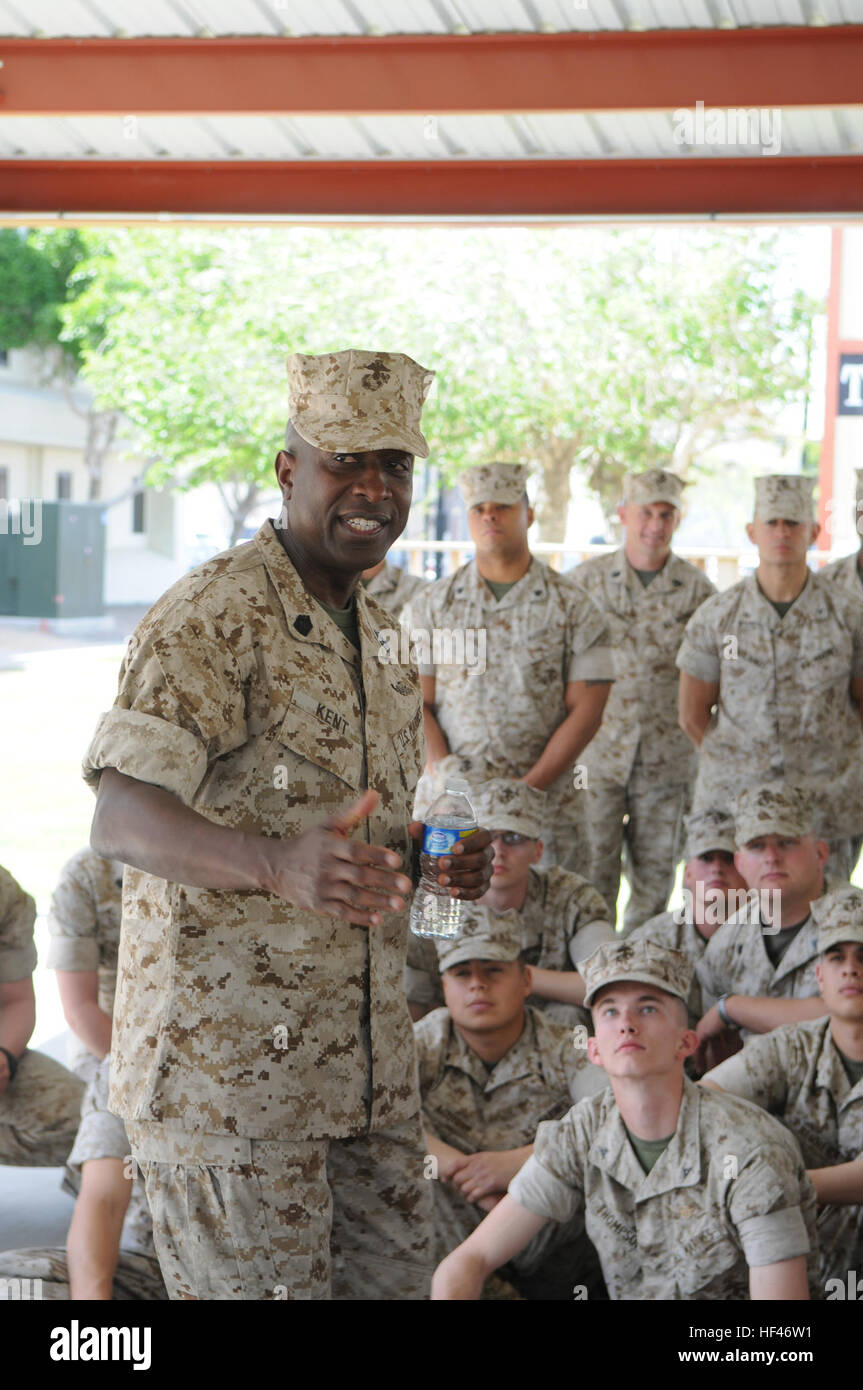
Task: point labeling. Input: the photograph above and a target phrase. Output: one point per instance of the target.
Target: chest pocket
(829, 667)
(317, 731)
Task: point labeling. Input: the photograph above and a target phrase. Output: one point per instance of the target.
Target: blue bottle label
(436, 840)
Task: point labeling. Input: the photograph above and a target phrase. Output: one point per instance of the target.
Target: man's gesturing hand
(467, 871)
(323, 869)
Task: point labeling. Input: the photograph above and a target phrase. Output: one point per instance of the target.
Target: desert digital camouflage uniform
(736, 962)
(543, 633)
(84, 922)
(784, 707)
(640, 763)
(846, 574)
(40, 1106)
(562, 920)
(394, 587)
(730, 1191)
(236, 672)
(137, 1276)
(477, 1109)
(796, 1074)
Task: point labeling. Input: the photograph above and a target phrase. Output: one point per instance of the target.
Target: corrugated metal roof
(576, 135)
(191, 18)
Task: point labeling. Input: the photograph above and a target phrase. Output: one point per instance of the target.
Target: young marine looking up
(686, 1194)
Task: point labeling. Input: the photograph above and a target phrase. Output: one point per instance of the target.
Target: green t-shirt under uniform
(500, 589)
(344, 618)
(647, 1151)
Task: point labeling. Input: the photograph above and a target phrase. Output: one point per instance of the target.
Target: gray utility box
(62, 575)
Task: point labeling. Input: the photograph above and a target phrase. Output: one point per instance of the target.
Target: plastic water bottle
(450, 818)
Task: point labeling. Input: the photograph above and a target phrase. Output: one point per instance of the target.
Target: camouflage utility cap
(784, 497)
(773, 809)
(483, 935)
(506, 804)
(654, 485)
(359, 401)
(839, 917)
(707, 831)
(494, 482)
(639, 961)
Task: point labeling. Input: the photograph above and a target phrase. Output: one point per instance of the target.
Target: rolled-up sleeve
(699, 654)
(73, 924)
(550, 1182)
(535, 1188)
(766, 1206)
(781, 1235)
(180, 705)
(17, 917)
(589, 654)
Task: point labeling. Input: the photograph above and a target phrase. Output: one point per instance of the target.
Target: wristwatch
(724, 1014)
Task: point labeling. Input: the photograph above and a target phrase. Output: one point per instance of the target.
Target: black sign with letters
(850, 383)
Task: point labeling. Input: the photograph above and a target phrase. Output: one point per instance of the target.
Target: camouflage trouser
(266, 1219)
(557, 1259)
(39, 1113)
(44, 1274)
(650, 843)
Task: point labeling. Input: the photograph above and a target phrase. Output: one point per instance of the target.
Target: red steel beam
(437, 189)
(661, 69)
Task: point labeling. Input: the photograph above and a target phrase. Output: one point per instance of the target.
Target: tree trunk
(555, 458)
(101, 429)
(239, 504)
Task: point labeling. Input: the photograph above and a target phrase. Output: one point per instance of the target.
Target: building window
(64, 487)
(4, 484)
(4, 357)
(138, 513)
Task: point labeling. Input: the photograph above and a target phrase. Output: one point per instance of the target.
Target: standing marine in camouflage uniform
(709, 862)
(391, 586)
(263, 1055)
(490, 1070)
(39, 1099)
(641, 765)
(686, 1194)
(559, 916)
(810, 1076)
(547, 666)
(759, 969)
(781, 654)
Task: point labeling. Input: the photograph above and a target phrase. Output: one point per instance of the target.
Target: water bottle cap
(458, 784)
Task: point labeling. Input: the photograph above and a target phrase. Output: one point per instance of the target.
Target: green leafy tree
(41, 274)
(568, 348)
